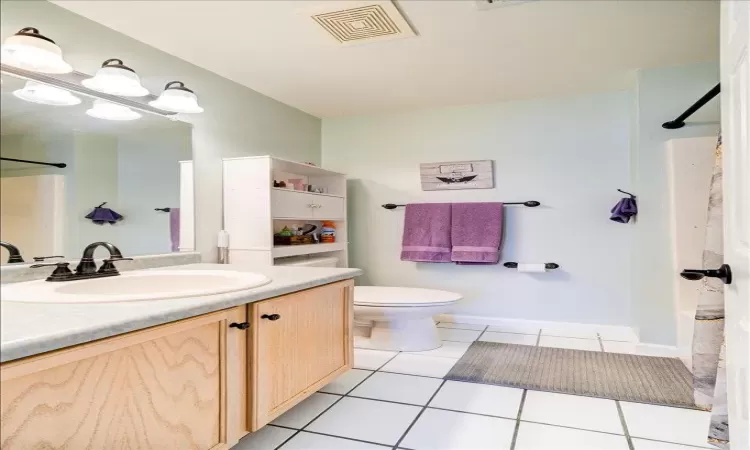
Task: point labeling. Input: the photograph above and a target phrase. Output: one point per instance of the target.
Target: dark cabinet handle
(270, 316)
(724, 273)
(241, 326)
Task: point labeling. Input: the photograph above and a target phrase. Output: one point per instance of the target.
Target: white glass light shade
(46, 95)
(30, 50)
(177, 98)
(103, 109)
(117, 79)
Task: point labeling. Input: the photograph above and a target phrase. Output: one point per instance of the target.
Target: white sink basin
(133, 286)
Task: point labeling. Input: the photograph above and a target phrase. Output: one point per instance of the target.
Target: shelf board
(281, 251)
(308, 193)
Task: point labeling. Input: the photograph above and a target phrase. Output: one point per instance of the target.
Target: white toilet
(398, 318)
(392, 318)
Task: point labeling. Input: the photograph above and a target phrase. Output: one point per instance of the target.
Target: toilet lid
(401, 296)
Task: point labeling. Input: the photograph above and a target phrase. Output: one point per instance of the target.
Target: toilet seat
(402, 297)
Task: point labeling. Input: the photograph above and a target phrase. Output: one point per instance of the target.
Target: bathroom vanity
(195, 373)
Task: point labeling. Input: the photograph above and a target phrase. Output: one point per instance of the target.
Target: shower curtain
(709, 373)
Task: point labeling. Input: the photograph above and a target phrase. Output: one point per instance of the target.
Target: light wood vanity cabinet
(193, 384)
(169, 386)
(299, 343)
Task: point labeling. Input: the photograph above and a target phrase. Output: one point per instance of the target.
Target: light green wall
(133, 174)
(662, 94)
(92, 179)
(570, 153)
(543, 149)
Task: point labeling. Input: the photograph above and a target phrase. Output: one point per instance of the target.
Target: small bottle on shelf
(328, 232)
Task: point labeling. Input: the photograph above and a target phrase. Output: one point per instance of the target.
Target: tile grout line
(624, 425)
(419, 414)
(573, 337)
(690, 446)
(620, 414)
(414, 375)
(298, 431)
(448, 340)
(466, 329)
(328, 435)
(333, 404)
(518, 419)
(572, 428)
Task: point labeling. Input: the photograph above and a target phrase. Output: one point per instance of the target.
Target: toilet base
(405, 335)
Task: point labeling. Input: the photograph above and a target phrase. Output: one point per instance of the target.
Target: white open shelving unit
(254, 210)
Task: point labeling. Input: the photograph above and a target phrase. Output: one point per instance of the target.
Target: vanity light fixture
(45, 94)
(30, 50)
(103, 109)
(116, 78)
(177, 98)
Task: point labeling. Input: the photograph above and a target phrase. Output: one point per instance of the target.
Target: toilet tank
(309, 262)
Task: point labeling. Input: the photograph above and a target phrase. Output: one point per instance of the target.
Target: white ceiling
(461, 55)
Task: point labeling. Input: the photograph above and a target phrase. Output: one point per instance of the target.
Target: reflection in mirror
(106, 180)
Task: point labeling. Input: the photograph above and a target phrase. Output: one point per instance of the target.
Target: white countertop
(31, 328)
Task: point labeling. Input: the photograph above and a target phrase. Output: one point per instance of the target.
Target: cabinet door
(328, 207)
(307, 346)
(291, 204)
(172, 386)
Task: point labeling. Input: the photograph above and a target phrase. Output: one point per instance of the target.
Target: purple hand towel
(624, 210)
(476, 232)
(427, 232)
(174, 228)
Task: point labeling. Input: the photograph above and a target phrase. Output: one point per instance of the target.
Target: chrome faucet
(87, 266)
(15, 254)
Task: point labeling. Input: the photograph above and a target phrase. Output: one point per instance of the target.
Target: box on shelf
(292, 240)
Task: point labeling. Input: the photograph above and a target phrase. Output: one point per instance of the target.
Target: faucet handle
(42, 258)
(108, 267)
(58, 264)
(61, 272)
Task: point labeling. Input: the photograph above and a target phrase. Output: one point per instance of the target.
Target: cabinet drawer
(328, 207)
(291, 204)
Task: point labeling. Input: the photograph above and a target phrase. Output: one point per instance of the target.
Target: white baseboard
(607, 332)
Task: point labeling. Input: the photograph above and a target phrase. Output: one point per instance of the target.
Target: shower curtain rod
(60, 165)
(679, 122)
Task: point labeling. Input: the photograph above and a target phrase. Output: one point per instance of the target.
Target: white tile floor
(399, 400)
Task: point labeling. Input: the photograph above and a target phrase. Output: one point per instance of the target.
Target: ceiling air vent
(367, 22)
(492, 4)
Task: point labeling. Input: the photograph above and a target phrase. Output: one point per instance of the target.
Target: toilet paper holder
(548, 266)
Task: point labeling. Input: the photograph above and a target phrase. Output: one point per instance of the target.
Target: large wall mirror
(121, 180)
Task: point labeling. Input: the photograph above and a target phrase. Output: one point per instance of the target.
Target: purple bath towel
(476, 232)
(427, 233)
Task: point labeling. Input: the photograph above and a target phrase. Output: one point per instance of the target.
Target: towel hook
(628, 193)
